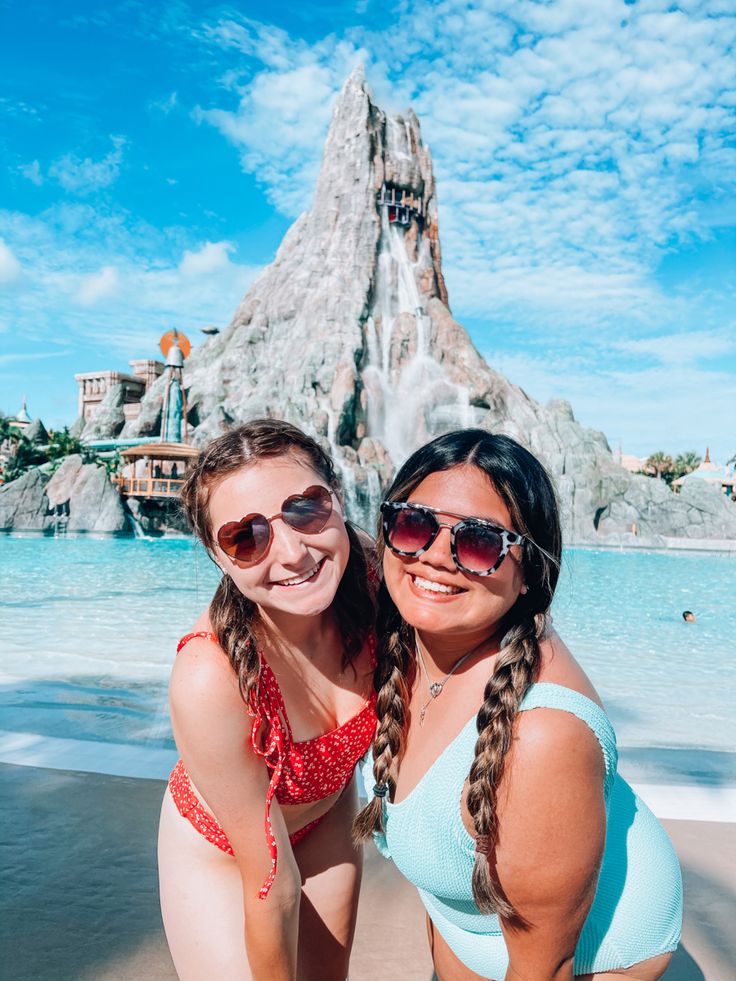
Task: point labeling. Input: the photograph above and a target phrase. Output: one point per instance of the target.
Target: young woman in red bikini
(271, 707)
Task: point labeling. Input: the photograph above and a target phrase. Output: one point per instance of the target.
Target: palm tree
(659, 465)
(25, 456)
(7, 430)
(62, 443)
(686, 462)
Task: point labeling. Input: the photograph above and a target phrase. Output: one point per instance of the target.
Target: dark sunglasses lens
(478, 548)
(409, 530)
(246, 540)
(310, 511)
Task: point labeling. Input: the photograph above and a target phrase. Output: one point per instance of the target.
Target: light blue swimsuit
(637, 910)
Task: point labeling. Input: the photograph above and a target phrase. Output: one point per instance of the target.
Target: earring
(524, 590)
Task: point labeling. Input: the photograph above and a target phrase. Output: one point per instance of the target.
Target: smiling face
(300, 572)
(430, 592)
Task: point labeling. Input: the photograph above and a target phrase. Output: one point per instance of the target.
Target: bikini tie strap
(265, 705)
(207, 634)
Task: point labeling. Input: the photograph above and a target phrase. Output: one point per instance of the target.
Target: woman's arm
(552, 829)
(212, 731)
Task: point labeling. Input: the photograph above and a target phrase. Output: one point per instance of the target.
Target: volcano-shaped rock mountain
(348, 333)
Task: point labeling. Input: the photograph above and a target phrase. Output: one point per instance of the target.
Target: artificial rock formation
(109, 418)
(349, 334)
(36, 433)
(78, 497)
(23, 503)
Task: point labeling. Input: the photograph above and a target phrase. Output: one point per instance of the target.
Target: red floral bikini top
(301, 772)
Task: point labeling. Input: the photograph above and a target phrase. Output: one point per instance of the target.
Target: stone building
(22, 420)
(94, 386)
(715, 474)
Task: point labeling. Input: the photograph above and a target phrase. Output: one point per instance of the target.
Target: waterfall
(358, 506)
(410, 397)
(135, 523)
(349, 489)
(374, 498)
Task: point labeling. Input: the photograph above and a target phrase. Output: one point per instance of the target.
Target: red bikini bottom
(190, 807)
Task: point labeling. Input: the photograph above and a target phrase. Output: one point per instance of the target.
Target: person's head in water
(688, 616)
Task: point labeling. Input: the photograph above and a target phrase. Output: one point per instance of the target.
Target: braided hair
(233, 616)
(526, 489)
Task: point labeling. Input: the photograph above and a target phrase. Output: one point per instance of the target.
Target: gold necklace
(435, 687)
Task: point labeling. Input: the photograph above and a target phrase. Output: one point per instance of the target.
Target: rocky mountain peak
(348, 333)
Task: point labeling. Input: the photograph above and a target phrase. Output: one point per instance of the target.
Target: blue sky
(154, 154)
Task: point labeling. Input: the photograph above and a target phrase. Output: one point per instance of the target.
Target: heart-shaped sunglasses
(477, 546)
(248, 540)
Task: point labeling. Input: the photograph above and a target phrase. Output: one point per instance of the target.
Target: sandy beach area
(79, 889)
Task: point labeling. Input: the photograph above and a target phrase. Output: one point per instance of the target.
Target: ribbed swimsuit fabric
(300, 772)
(637, 909)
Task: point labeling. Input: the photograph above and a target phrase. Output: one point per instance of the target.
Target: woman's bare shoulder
(208, 715)
(202, 673)
(559, 667)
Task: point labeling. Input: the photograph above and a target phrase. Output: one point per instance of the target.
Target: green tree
(62, 444)
(685, 463)
(8, 431)
(660, 465)
(24, 457)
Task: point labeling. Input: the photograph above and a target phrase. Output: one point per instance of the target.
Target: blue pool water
(88, 631)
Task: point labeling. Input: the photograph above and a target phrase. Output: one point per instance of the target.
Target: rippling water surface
(88, 631)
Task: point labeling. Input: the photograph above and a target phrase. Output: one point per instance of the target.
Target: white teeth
(434, 587)
(297, 579)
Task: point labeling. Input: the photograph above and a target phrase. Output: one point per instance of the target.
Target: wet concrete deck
(79, 900)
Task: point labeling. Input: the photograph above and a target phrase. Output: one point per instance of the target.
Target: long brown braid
(527, 491)
(234, 617)
(392, 681)
(516, 668)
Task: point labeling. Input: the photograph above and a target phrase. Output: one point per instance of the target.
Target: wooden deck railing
(149, 486)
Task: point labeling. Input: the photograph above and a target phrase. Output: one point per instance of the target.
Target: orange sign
(168, 339)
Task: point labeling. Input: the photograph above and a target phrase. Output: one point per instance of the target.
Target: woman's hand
(212, 731)
(552, 830)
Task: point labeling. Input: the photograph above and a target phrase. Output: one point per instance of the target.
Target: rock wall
(78, 497)
(24, 505)
(349, 334)
(109, 419)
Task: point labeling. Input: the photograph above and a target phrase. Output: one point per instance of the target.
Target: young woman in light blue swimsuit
(493, 783)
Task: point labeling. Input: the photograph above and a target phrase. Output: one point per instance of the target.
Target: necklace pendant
(422, 713)
(435, 689)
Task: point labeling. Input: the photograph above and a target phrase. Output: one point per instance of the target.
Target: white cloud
(211, 257)
(271, 45)
(10, 268)
(85, 176)
(284, 109)
(141, 285)
(16, 107)
(569, 139)
(18, 357)
(682, 349)
(98, 286)
(666, 407)
(32, 171)
(276, 130)
(576, 145)
(165, 105)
